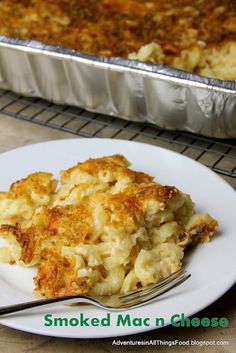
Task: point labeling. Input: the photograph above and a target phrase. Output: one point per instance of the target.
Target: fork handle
(9, 309)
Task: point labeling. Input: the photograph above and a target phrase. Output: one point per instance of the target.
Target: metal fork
(115, 302)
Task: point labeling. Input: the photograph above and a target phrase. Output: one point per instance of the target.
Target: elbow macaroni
(106, 229)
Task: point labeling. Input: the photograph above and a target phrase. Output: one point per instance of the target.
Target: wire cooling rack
(219, 155)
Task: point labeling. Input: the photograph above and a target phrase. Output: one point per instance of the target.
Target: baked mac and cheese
(197, 36)
(104, 229)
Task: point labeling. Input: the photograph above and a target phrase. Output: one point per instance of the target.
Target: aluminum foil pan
(136, 91)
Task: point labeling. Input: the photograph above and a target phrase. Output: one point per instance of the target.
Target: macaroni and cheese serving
(197, 36)
(102, 229)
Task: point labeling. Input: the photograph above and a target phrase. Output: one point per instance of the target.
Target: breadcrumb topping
(197, 36)
(104, 229)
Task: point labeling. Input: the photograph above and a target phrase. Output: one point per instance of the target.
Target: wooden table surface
(15, 133)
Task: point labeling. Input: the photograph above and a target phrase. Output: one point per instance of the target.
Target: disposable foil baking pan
(136, 91)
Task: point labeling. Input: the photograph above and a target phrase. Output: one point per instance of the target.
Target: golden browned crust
(57, 277)
(101, 207)
(57, 226)
(111, 167)
(38, 183)
(150, 191)
(71, 225)
(181, 28)
(118, 27)
(25, 196)
(26, 240)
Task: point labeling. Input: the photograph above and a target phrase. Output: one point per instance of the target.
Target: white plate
(212, 265)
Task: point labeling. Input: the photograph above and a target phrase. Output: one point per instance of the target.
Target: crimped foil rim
(144, 69)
